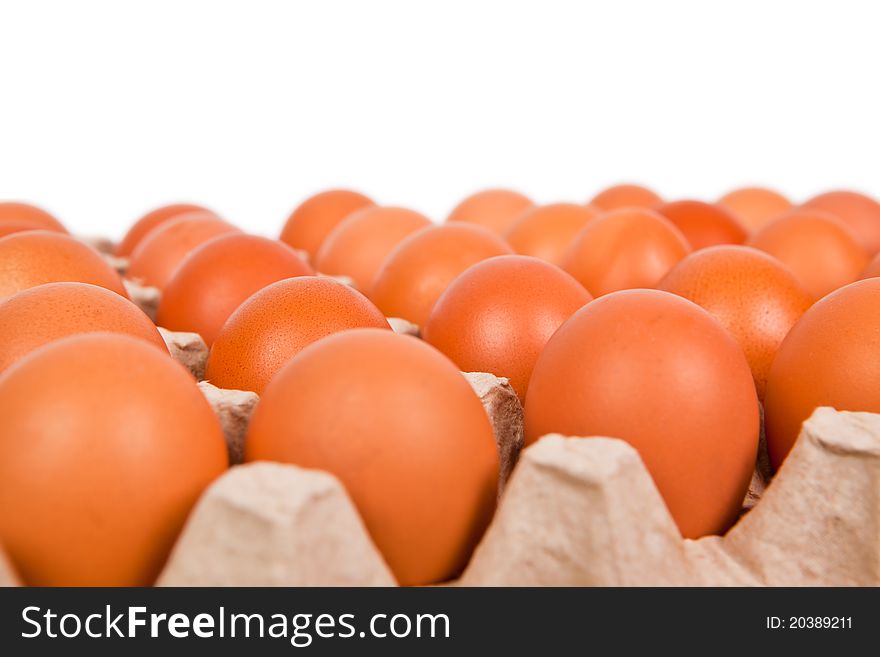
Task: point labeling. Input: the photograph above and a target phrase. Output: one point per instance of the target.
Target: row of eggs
(504, 286)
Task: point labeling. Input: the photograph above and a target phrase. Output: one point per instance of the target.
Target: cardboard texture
(404, 327)
(188, 349)
(506, 415)
(233, 409)
(584, 511)
(7, 574)
(143, 296)
(267, 524)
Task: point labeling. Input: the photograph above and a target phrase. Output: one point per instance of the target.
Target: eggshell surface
(495, 209)
(163, 249)
(358, 246)
(754, 206)
(423, 265)
(399, 426)
(624, 249)
(313, 220)
(659, 372)
(46, 313)
(704, 224)
(32, 258)
(831, 357)
(143, 226)
(749, 292)
(277, 322)
(218, 276)
(547, 231)
(13, 212)
(498, 315)
(820, 250)
(105, 445)
(861, 213)
(625, 196)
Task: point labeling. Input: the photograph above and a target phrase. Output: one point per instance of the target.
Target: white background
(110, 108)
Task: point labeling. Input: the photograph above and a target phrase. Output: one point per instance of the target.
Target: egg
(35, 257)
(153, 219)
(703, 224)
(313, 220)
(754, 206)
(218, 276)
(661, 373)
(157, 256)
(820, 250)
(24, 214)
(48, 312)
(497, 315)
(625, 196)
(547, 231)
(403, 431)
(495, 209)
(626, 248)
(861, 213)
(831, 357)
(276, 323)
(422, 266)
(749, 292)
(873, 268)
(358, 246)
(105, 445)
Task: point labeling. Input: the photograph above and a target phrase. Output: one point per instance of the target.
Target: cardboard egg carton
(576, 512)
(572, 512)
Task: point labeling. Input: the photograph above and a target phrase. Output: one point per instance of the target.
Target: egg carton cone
(256, 525)
(576, 512)
(143, 296)
(188, 349)
(404, 327)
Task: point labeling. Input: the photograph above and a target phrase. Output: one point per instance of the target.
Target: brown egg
(749, 292)
(754, 206)
(831, 357)
(704, 224)
(312, 221)
(358, 246)
(425, 263)
(498, 315)
(24, 214)
(625, 196)
(218, 276)
(861, 213)
(399, 426)
(820, 250)
(277, 322)
(873, 268)
(144, 226)
(45, 313)
(547, 231)
(35, 257)
(662, 374)
(496, 209)
(10, 227)
(105, 445)
(160, 252)
(631, 247)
